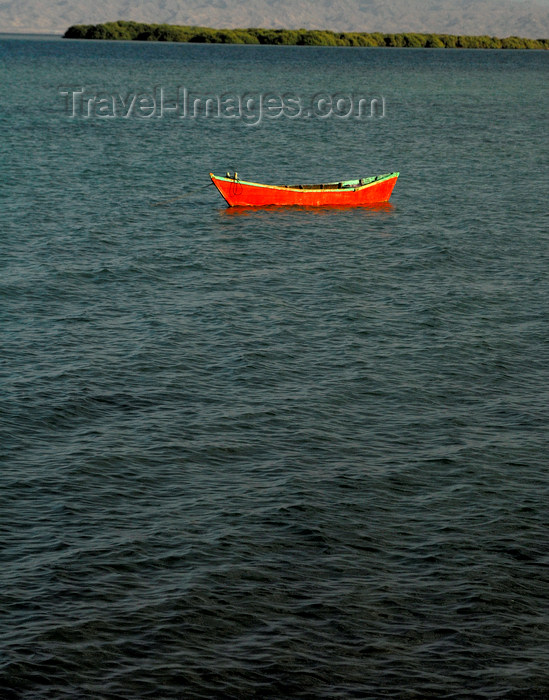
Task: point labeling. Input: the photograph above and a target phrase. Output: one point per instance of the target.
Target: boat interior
(345, 184)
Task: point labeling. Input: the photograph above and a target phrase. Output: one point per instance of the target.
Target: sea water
(283, 452)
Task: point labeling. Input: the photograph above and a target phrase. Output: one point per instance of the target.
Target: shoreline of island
(127, 30)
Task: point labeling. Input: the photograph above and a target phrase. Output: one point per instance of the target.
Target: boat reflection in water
(366, 210)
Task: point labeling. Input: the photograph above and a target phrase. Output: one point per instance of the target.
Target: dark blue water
(274, 453)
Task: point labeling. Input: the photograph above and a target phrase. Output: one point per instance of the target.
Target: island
(138, 31)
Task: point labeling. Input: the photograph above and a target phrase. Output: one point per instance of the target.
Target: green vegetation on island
(137, 31)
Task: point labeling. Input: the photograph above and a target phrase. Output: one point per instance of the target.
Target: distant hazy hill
(527, 18)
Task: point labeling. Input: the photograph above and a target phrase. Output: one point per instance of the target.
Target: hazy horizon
(527, 18)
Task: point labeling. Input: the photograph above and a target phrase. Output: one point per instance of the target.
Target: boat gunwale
(308, 188)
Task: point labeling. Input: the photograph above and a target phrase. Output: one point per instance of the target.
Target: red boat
(348, 193)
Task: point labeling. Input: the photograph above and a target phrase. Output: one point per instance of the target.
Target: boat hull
(251, 194)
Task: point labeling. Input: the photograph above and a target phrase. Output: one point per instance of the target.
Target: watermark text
(250, 108)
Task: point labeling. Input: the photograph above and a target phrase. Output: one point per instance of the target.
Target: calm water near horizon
(273, 453)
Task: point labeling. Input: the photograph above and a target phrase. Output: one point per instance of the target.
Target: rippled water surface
(274, 453)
